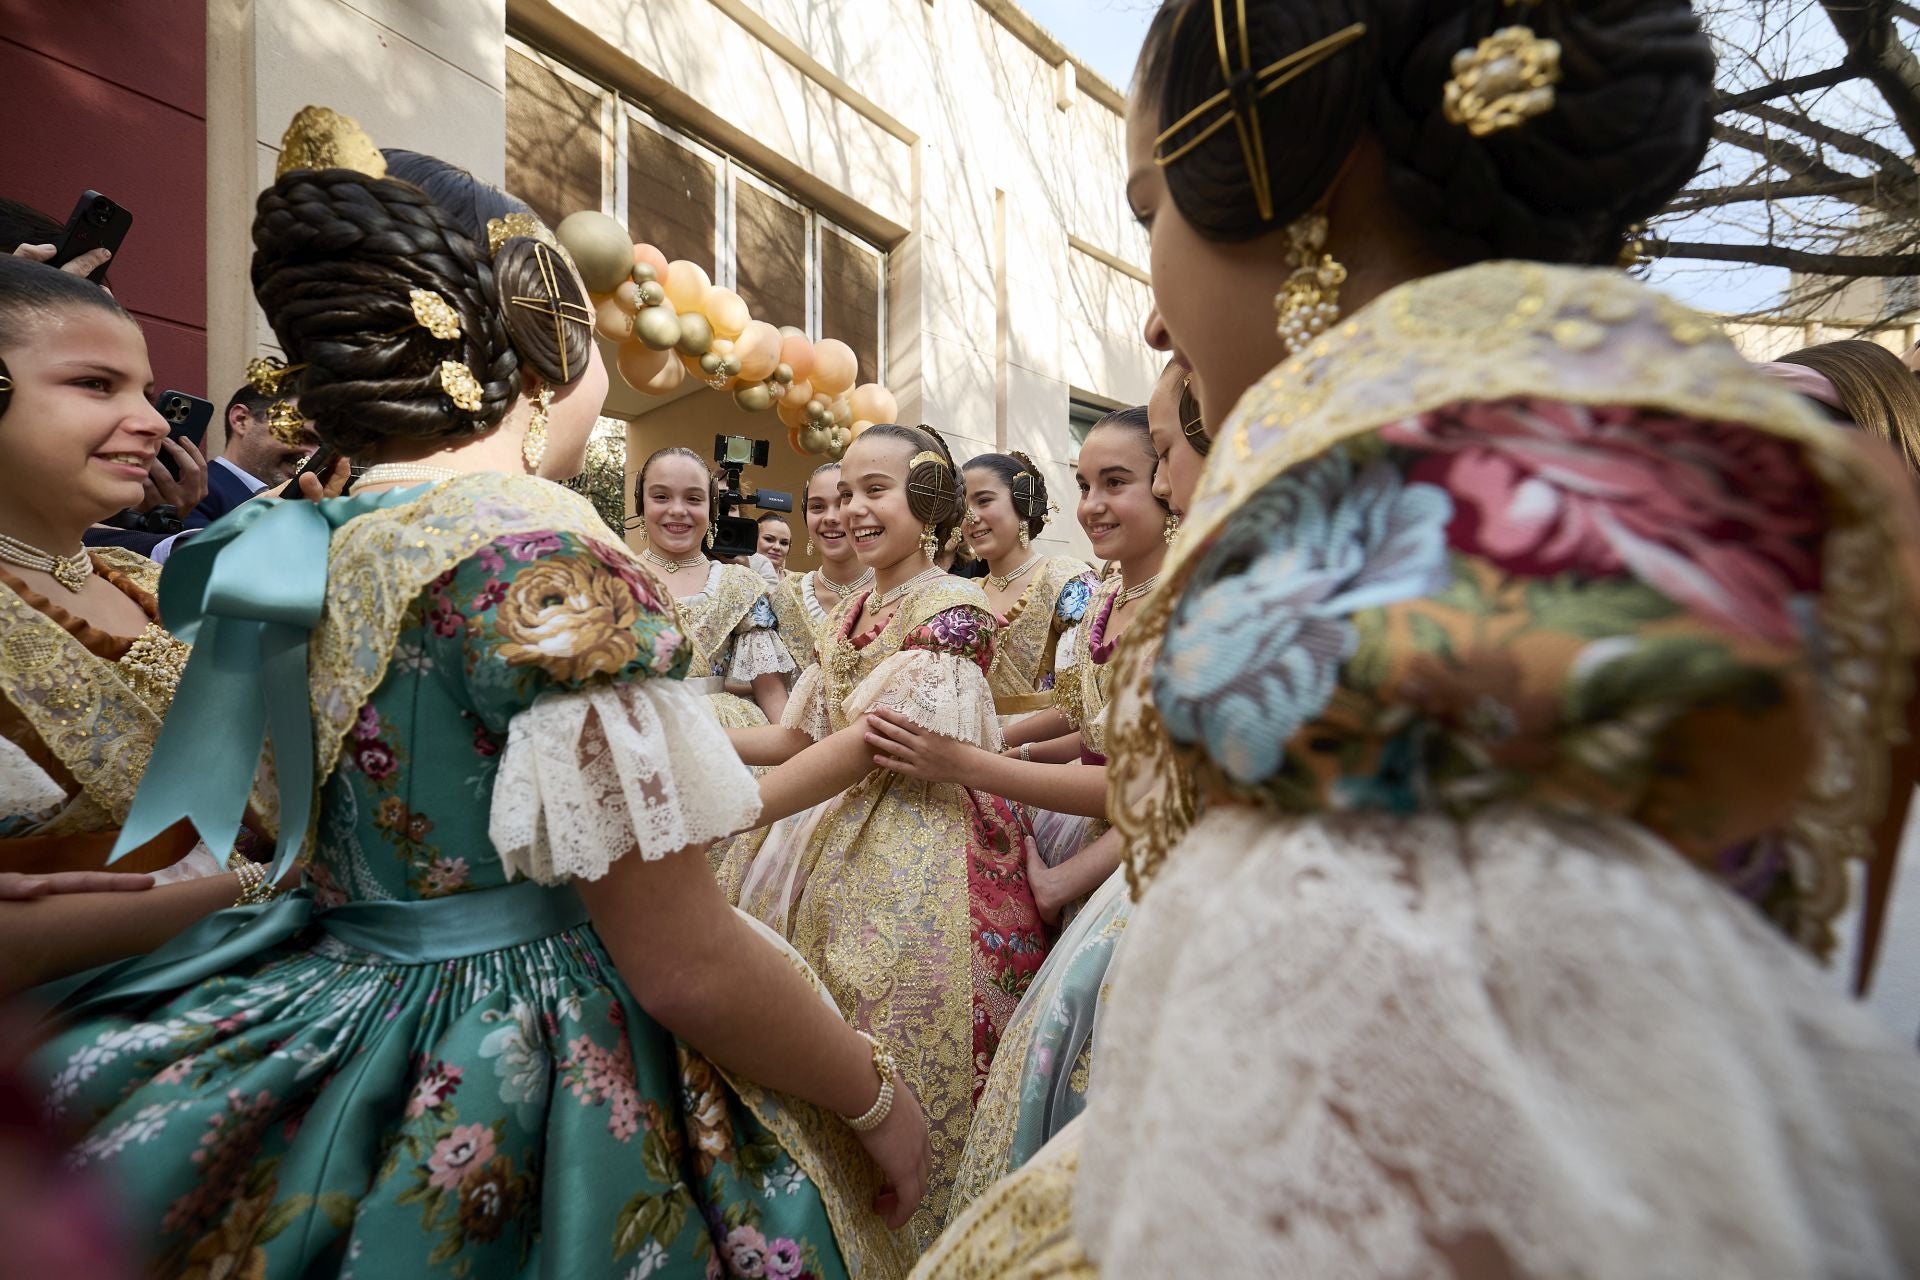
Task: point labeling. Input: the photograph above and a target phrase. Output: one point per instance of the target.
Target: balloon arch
(669, 322)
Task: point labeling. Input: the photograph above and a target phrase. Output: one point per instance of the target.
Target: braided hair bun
(934, 495)
(1026, 485)
(336, 256)
(1630, 120)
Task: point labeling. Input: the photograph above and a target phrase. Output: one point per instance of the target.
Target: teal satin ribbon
(424, 932)
(246, 594)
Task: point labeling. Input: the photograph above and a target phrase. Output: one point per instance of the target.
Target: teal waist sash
(422, 932)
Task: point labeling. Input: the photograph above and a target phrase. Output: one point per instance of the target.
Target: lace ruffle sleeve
(758, 649)
(592, 775)
(807, 705)
(938, 680)
(28, 794)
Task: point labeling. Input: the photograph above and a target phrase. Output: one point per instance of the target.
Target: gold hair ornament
(1502, 82)
(551, 305)
(501, 230)
(286, 423)
(460, 385)
(267, 374)
(1241, 98)
(322, 138)
(434, 314)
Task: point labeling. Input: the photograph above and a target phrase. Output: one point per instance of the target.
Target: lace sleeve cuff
(590, 776)
(28, 793)
(943, 693)
(759, 653)
(807, 705)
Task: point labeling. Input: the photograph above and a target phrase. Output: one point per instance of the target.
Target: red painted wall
(111, 94)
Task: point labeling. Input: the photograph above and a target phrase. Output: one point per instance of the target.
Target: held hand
(1044, 884)
(15, 887)
(185, 493)
(901, 1148)
(313, 490)
(904, 747)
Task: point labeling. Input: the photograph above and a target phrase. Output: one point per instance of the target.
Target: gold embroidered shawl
(1024, 645)
(1583, 336)
(796, 624)
(91, 715)
(710, 622)
(844, 665)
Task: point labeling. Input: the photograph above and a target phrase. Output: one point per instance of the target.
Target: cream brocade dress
(1538, 661)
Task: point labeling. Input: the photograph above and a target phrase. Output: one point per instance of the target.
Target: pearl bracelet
(1026, 752)
(254, 888)
(885, 1067)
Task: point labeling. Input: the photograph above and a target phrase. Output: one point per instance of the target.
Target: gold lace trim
(1022, 1228)
(711, 621)
(98, 718)
(1504, 330)
(1024, 646)
(796, 625)
(1082, 687)
(844, 664)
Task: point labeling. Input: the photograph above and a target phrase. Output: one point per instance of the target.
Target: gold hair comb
(1242, 95)
(322, 138)
(266, 374)
(460, 385)
(1502, 82)
(501, 230)
(286, 423)
(434, 314)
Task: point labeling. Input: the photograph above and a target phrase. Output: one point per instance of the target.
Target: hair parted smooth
(1029, 495)
(335, 254)
(1133, 420)
(1881, 395)
(933, 490)
(676, 451)
(1630, 122)
(30, 292)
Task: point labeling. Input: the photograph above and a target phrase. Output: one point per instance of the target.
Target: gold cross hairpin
(551, 305)
(1244, 90)
(927, 490)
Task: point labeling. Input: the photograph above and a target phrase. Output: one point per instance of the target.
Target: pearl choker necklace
(406, 473)
(1134, 593)
(999, 583)
(70, 572)
(858, 584)
(671, 566)
(888, 598)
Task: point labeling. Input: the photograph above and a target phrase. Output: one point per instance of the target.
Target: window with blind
(790, 265)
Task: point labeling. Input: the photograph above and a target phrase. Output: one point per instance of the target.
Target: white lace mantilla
(1371, 1046)
(588, 777)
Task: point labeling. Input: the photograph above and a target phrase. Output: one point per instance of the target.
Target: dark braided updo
(934, 494)
(336, 254)
(1026, 486)
(1629, 125)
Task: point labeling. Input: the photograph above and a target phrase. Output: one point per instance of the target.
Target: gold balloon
(815, 439)
(783, 374)
(754, 399)
(842, 437)
(710, 364)
(658, 327)
(643, 273)
(650, 292)
(611, 320)
(696, 334)
(600, 249)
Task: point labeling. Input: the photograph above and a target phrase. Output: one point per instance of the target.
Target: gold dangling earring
(1026, 539)
(534, 446)
(1172, 530)
(1309, 303)
(708, 543)
(930, 545)
(809, 544)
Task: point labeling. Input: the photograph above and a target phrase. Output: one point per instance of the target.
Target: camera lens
(100, 210)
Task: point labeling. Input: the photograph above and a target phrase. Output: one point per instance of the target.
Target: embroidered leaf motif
(1595, 608)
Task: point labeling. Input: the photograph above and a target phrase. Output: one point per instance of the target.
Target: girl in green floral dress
(508, 1026)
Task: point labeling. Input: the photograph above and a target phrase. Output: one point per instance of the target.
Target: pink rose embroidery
(746, 1251)
(468, 1147)
(1720, 518)
(434, 1087)
(375, 759)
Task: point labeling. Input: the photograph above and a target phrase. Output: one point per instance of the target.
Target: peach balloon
(873, 402)
(727, 311)
(796, 352)
(687, 285)
(792, 417)
(793, 437)
(652, 257)
(627, 295)
(758, 347)
(640, 364)
(796, 395)
(834, 367)
(611, 320)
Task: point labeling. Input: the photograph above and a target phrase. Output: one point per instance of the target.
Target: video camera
(735, 535)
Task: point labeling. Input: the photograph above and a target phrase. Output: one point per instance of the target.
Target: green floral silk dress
(422, 1065)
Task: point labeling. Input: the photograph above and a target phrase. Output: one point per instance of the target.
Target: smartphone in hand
(320, 466)
(187, 418)
(97, 223)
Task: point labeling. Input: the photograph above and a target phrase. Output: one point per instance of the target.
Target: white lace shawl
(1336, 1043)
(26, 790)
(588, 777)
(942, 693)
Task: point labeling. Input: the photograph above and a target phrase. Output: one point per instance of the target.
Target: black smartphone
(321, 464)
(187, 418)
(97, 223)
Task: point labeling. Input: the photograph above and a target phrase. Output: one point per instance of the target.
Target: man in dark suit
(253, 459)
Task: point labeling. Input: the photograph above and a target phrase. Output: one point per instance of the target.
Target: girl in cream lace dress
(1537, 661)
(803, 599)
(908, 898)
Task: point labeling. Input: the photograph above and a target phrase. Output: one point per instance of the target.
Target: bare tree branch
(1875, 47)
(1890, 161)
(1784, 88)
(1697, 198)
(1794, 159)
(1906, 12)
(1879, 266)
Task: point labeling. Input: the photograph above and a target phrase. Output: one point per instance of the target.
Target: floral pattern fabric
(1604, 610)
(319, 1110)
